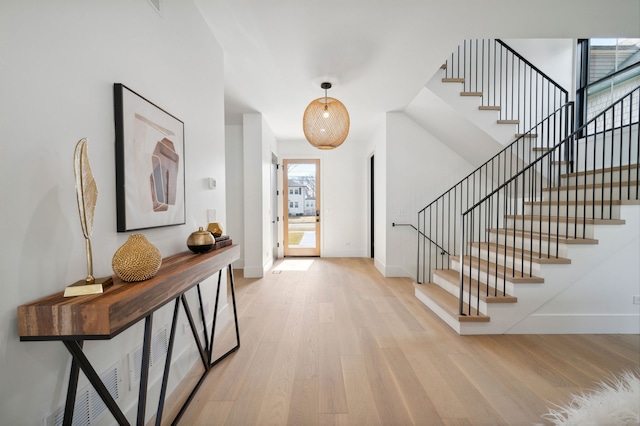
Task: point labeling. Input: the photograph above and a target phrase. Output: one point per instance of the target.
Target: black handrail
(523, 59)
(443, 251)
(601, 156)
(481, 181)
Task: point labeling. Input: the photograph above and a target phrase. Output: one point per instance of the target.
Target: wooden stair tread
(500, 271)
(453, 80)
(566, 219)
(589, 186)
(489, 107)
(498, 296)
(449, 303)
(605, 170)
(471, 94)
(545, 236)
(508, 121)
(527, 135)
(541, 149)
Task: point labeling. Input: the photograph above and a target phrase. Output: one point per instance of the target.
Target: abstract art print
(149, 163)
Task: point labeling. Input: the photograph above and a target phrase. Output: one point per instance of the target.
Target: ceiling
(378, 54)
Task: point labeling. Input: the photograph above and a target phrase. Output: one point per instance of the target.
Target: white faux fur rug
(614, 401)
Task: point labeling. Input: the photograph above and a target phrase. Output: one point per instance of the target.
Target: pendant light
(326, 121)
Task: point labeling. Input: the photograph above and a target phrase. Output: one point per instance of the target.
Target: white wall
(59, 62)
(234, 168)
(419, 169)
(554, 57)
(343, 195)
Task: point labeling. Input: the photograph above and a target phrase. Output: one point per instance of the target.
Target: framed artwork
(149, 163)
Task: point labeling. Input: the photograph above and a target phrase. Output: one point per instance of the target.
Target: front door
(301, 207)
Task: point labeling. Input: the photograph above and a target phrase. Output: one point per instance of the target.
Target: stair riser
(491, 280)
(590, 194)
(579, 210)
(563, 229)
(512, 262)
(454, 289)
(531, 244)
(615, 176)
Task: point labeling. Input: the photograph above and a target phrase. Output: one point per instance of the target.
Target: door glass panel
(302, 208)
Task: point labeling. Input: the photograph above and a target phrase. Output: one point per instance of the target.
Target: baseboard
(578, 324)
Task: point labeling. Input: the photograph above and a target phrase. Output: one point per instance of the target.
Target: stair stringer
(565, 287)
(468, 106)
(598, 299)
(451, 127)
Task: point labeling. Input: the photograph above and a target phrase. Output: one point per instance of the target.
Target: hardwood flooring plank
(347, 331)
(506, 394)
(386, 395)
(438, 390)
(308, 350)
(245, 410)
(275, 405)
(518, 366)
(420, 407)
(360, 401)
(331, 393)
(303, 409)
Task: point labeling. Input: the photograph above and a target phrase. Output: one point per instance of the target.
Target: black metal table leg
(76, 351)
(72, 390)
(194, 330)
(144, 370)
(167, 363)
(235, 315)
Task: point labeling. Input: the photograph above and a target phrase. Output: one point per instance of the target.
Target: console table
(104, 316)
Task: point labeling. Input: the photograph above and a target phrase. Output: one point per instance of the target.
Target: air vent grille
(89, 406)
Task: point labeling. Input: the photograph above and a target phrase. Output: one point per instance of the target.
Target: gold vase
(137, 259)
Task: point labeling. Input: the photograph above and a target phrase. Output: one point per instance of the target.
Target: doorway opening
(301, 181)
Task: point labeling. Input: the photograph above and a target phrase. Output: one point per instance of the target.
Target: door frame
(309, 252)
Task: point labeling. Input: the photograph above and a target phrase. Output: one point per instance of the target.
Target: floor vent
(159, 347)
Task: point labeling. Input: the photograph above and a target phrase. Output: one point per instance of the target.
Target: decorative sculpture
(87, 195)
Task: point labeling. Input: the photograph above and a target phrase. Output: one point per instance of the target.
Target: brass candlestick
(87, 195)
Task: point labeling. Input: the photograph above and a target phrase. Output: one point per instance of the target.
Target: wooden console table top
(102, 316)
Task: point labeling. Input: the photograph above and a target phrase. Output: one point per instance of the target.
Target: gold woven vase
(137, 259)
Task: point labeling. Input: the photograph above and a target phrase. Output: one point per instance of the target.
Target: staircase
(505, 250)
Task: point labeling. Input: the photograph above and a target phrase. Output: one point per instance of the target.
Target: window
(290, 191)
(607, 70)
(290, 204)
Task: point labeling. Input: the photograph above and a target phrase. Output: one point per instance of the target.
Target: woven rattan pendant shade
(326, 122)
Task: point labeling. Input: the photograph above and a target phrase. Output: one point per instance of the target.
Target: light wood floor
(338, 344)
